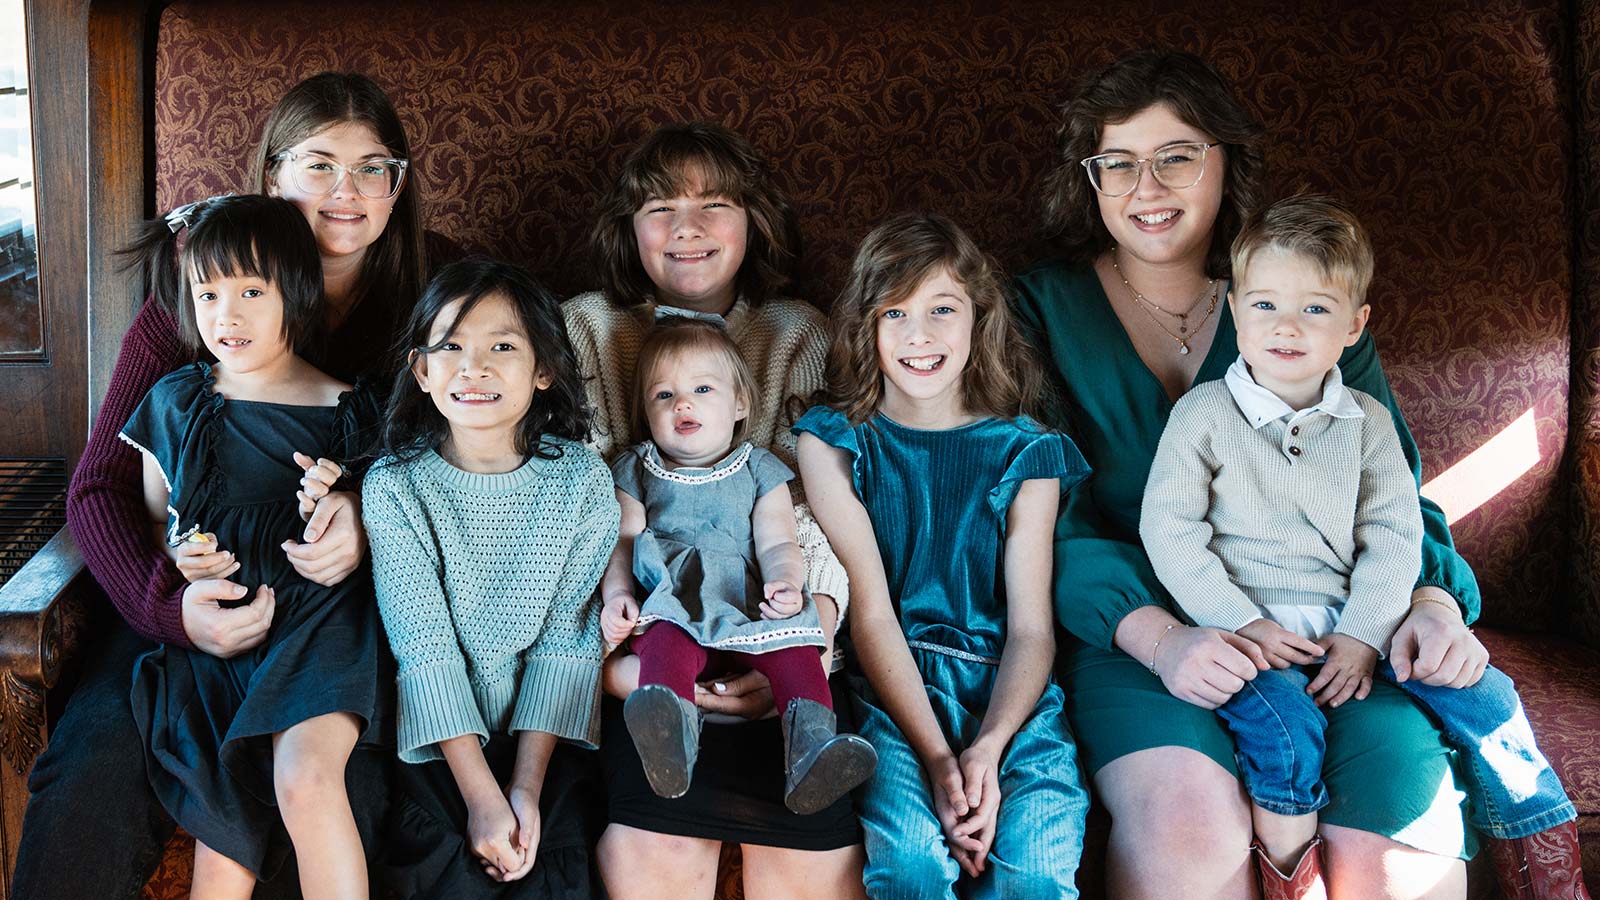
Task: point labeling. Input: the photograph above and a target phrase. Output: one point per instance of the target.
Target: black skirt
(736, 795)
(426, 855)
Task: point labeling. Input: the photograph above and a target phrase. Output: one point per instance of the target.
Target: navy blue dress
(207, 723)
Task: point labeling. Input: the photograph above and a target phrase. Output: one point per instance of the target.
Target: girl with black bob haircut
(251, 748)
(254, 235)
(412, 422)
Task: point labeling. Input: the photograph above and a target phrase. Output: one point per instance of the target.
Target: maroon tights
(669, 656)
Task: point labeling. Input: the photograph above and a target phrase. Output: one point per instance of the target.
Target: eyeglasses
(375, 179)
(1176, 166)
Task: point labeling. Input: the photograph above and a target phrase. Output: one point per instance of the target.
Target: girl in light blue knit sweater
(490, 524)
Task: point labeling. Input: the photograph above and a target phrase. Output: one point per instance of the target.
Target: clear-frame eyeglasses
(375, 179)
(1177, 166)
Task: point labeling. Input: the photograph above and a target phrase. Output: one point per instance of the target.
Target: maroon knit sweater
(105, 504)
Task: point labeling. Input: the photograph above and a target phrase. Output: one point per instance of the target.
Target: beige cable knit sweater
(784, 342)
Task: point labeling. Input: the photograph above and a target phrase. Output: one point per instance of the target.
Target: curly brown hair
(1197, 94)
(1002, 377)
(727, 166)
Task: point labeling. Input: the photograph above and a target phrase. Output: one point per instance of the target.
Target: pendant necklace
(1150, 308)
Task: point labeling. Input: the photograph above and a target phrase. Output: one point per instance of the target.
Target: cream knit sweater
(784, 342)
(1321, 512)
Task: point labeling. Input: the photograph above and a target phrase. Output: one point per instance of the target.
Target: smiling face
(1155, 223)
(344, 222)
(692, 405)
(1293, 324)
(240, 320)
(924, 341)
(691, 247)
(483, 375)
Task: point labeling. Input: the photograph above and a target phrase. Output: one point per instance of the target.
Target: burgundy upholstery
(1448, 125)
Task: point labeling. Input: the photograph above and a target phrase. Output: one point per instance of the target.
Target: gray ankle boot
(666, 734)
(821, 765)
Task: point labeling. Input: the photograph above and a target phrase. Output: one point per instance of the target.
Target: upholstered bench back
(1447, 125)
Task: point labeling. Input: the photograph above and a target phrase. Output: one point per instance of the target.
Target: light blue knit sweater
(484, 583)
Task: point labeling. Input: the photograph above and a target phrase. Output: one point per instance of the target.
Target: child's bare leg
(217, 877)
(308, 762)
(1285, 838)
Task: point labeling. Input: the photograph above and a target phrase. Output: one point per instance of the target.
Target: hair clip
(673, 312)
(178, 219)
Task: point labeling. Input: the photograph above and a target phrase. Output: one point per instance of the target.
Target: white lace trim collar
(723, 468)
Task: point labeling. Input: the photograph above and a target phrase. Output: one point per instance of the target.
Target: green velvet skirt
(1388, 769)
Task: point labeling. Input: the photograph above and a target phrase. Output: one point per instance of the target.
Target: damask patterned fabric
(1585, 436)
(1447, 124)
(1560, 686)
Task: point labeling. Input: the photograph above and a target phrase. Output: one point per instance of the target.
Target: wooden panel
(120, 195)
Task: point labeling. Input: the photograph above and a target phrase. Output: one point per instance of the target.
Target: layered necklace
(1150, 307)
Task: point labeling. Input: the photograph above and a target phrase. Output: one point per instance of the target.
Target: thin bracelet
(1158, 647)
(1445, 603)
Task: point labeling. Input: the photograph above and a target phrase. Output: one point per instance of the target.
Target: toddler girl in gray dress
(708, 540)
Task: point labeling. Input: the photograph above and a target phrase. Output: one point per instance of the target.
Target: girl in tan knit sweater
(694, 226)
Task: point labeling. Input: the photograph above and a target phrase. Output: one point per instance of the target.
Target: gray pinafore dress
(696, 558)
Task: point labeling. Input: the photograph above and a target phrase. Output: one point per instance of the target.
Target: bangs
(469, 302)
(221, 251)
(672, 170)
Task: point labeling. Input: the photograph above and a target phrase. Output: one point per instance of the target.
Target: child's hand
(1346, 673)
(525, 807)
(321, 475)
(617, 618)
(1282, 647)
(783, 600)
(200, 559)
(951, 807)
(980, 773)
(491, 833)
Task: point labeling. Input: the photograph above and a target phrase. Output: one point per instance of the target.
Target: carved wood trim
(21, 721)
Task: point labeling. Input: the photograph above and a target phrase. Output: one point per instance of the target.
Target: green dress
(1388, 769)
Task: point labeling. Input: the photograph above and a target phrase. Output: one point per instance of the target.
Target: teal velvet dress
(938, 502)
(1387, 768)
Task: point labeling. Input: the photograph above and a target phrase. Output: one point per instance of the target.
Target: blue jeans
(1039, 829)
(1277, 730)
(1514, 791)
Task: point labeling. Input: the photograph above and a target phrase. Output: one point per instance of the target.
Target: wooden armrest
(43, 614)
(42, 617)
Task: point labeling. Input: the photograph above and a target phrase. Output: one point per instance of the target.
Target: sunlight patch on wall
(1487, 470)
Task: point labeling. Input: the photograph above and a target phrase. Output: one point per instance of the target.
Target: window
(21, 321)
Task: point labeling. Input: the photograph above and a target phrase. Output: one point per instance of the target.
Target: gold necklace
(1145, 303)
(1180, 316)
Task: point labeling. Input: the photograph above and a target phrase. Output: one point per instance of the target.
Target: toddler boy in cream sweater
(1280, 506)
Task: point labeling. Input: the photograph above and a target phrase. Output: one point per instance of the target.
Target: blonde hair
(676, 337)
(1002, 377)
(1319, 228)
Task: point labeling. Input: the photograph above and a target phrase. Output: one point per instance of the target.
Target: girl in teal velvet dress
(940, 494)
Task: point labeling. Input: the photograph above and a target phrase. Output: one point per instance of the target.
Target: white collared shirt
(1261, 406)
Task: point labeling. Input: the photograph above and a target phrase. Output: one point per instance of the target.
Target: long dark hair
(395, 267)
(248, 235)
(1197, 94)
(413, 425)
(728, 166)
